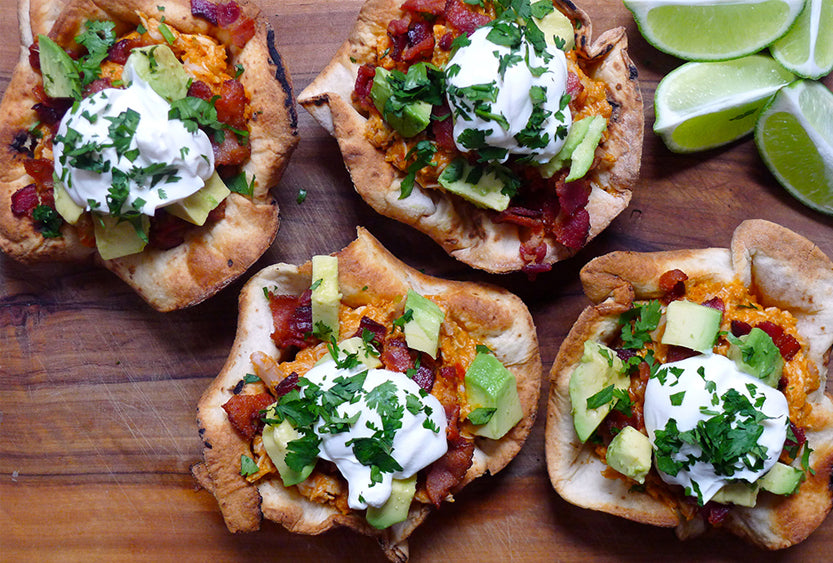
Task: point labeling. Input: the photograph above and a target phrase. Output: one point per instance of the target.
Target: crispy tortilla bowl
(368, 276)
(209, 257)
(476, 236)
(780, 269)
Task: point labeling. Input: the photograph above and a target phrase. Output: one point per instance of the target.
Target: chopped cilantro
(677, 398)
(481, 415)
(239, 185)
(49, 221)
(637, 324)
(250, 378)
(601, 398)
(423, 153)
(248, 466)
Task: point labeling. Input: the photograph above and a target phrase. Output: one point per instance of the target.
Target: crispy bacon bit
(166, 231)
(534, 252)
(462, 17)
(572, 196)
(672, 284)
(572, 230)
(244, 412)
(442, 126)
(242, 31)
(292, 318)
(50, 114)
(40, 169)
(446, 41)
(411, 40)
(396, 355)
(231, 105)
(227, 13)
(289, 383)
(97, 86)
(445, 473)
(433, 7)
(200, 89)
(787, 345)
(25, 200)
(230, 151)
(715, 303)
(377, 329)
(120, 50)
(714, 513)
(205, 10)
(676, 353)
(574, 85)
(364, 82)
(424, 376)
(800, 438)
(34, 55)
(739, 328)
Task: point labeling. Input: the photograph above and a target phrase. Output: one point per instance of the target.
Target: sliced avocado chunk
(598, 369)
(158, 66)
(756, 354)
(558, 30)
(196, 207)
(739, 493)
(782, 479)
(582, 158)
(480, 185)
(422, 331)
(364, 352)
(60, 75)
(396, 507)
(691, 325)
(326, 297)
(629, 453)
(489, 385)
(115, 238)
(589, 128)
(409, 118)
(275, 440)
(64, 204)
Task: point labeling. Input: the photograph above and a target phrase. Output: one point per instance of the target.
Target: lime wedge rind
(704, 105)
(713, 30)
(794, 135)
(805, 49)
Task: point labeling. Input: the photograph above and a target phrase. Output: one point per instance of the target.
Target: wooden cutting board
(98, 392)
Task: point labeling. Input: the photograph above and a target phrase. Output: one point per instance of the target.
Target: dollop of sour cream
(385, 397)
(123, 136)
(512, 97)
(691, 392)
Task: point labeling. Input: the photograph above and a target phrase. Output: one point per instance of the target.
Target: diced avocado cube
(158, 66)
(739, 493)
(490, 385)
(275, 440)
(629, 453)
(422, 331)
(691, 325)
(60, 75)
(782, 479)
(64, 204)
(558, 30)
(196, 207)
(581, 142)
(365, 353)
(326, 297)
(408, 119)
(480, 185)
(598, 369)
(756, 354)
(115, 238)
(396, 508)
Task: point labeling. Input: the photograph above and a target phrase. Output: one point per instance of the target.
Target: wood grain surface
(98, 392)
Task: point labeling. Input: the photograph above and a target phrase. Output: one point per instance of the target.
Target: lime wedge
(713, 30)
(704, 105)
(807, 48)
(794, 135)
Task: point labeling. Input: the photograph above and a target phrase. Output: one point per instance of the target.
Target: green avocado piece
(558, 30)
(629, 453)
(691, 325)
(410, 119)
(422, 331)
(275, 440)
(756, 354)
(326, 297)
(782, 479)
(158, 66)
(583, 136)
(64, 205)
(396, 508)
(115, 238)
(489, 385)
(739, 493)
(196, 207)
(60, 75)
(598, 369)
(480, 185)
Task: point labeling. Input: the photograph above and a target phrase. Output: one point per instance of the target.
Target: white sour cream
(414, 446)
(153, 140)
(480, 64)
(724, 375)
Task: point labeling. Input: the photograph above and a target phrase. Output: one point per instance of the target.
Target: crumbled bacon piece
(424, 376)
(230, 151)
(292, 319)
(446, 41)
(25, 200)
(200, 89)
(714, 513)
(286, 385)
(205, 10)
(447, 472)
(677, 353)
(378, 331)
(410, 40)
(34, 55)
(50, 114)
(396, 355)
(442, 126)
(572, 230)
(672, 284)
(787, 344)
(433, 7)
(572, 196)
(166, 231)
(97, 86)
(120, 50)
(715, 303)
(364, 82)
(231, 105)
(574, 85)
(462, 17)
(739, 328)
(800, 437)
(227, 13)
(244, 412)
(40, 169)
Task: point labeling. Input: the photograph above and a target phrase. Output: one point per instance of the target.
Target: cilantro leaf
(248, 466)
(481, 415)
